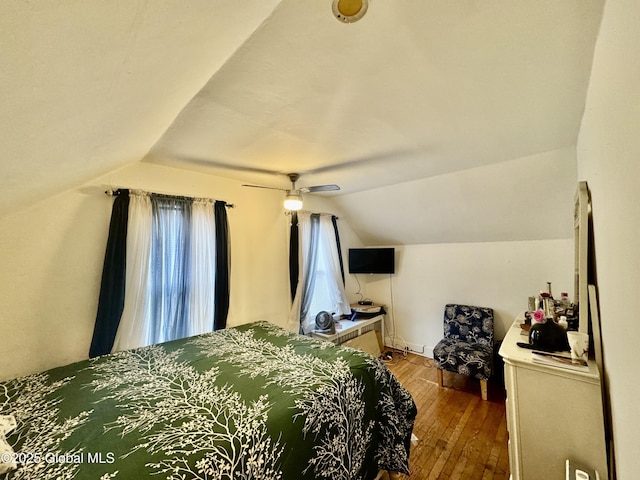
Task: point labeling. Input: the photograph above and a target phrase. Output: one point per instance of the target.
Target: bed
(250, 402)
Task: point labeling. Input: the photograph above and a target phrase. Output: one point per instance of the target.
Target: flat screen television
(372, 260)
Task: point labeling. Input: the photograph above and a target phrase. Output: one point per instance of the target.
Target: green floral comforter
(251, 402)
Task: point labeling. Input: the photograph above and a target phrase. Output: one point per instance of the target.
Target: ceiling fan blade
(320, 188)
(262, 186)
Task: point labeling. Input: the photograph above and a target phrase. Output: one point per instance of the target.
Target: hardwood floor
(460, 436)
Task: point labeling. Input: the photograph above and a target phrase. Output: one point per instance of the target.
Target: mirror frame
(581, 252)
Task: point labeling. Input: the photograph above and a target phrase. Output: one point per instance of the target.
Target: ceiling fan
(293, 200)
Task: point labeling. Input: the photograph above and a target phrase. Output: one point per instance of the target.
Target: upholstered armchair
(467, 346)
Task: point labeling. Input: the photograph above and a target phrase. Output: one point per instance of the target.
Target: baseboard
(417, 348)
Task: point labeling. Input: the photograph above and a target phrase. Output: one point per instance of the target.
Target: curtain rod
(113, 192)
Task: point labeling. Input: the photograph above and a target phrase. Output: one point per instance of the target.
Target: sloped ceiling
(88, 87)
(414, 90)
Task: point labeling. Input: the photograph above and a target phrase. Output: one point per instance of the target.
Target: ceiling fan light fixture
(293, 201)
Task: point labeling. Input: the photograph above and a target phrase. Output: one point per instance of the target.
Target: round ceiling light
(349, 11)
(293, 200)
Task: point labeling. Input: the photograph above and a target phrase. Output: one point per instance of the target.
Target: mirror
(581, 252)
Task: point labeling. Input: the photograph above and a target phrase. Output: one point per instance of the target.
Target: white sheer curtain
(203, 273)
(306, 257)
(170, 277)
(320, 283)
(170, 268)
(333, 286)
(135, 322)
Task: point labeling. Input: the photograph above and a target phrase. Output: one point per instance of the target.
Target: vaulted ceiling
(415, 90)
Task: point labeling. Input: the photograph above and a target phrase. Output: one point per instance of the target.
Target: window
(320, 284)
(172, 286)
(176, 280)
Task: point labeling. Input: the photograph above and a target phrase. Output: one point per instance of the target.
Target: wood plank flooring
(460, 436)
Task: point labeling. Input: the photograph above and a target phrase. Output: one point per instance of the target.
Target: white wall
(500, 275)
(609, 160)
(489, 236)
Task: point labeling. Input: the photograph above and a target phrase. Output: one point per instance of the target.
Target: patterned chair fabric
(467, 346)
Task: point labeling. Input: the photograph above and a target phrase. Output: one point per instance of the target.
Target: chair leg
(483, 389)
(440, 382)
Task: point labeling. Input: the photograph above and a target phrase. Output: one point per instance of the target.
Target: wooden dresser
(553, 414)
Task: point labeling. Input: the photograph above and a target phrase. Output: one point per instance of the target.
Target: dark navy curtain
(334, 220)
(294, 268)
(111, 300)
(223, 265)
